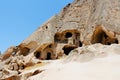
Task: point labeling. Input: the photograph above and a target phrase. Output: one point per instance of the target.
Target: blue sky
(19, 18)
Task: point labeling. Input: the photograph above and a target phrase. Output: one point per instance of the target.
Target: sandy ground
(107, 68)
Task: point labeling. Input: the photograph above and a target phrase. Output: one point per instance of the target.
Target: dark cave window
(80, 44)
(68, 35)
(68, 49)
(37, 54)
(48, 56)
(46, 27)
(50, 46)
(116, 41)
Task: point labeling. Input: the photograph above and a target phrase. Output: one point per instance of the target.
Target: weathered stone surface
(1, 74)
(91, 62)
(88, 53)
(80, 15)
(69, 35)
(8, 73)
(1, 66)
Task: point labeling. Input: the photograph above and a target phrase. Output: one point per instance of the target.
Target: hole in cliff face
(48, 56)
(37, 54)
(103, 36)
(116, 41)
(46, 27)
(67, 49)
(68, 35)
(80, 44)
(50, 46)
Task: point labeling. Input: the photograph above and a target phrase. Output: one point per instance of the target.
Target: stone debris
(83, 31)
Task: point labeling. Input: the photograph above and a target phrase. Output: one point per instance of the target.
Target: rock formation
(78, 33)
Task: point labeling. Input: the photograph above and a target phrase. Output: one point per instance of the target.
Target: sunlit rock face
(95, 62)
(79, 43)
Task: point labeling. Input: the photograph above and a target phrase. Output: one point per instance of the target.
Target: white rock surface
(99, 68)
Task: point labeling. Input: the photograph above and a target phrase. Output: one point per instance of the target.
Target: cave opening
(48, 56)
(68, 49)
(37, 54)
(68, 35)
(80, 44)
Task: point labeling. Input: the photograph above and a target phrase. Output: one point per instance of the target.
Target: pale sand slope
(106, 68)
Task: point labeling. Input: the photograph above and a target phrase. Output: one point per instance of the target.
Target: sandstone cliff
(84, 30)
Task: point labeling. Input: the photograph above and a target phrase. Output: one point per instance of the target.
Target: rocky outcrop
(93, 62)
(66, 36)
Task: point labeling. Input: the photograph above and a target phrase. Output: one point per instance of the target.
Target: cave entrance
(80, 44)
(68, 35)
(67, 49)
(48, 56)
(37, 54)
(100, 35)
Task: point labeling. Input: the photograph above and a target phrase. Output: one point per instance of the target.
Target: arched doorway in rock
(48, 56)
(80, 44)
(37, 54)
(103, 36)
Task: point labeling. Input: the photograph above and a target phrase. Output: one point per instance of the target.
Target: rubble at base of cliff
(79, 43)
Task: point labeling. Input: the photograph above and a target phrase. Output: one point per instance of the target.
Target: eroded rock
(70, 35)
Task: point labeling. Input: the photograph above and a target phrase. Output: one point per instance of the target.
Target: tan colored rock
(13, 78)
(85, 62)
(102, 35)
(9, 52)
(1, 74)
(70, 35)
(15, 66)
(78, 19)
(8, 73)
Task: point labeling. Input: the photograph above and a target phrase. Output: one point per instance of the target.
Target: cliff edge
(85, 35)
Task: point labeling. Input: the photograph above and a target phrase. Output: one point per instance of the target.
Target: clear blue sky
(19, 18)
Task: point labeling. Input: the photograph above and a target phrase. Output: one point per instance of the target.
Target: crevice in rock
(37, 72)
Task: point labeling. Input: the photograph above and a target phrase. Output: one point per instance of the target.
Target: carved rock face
(70, 35)
(103, 36)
